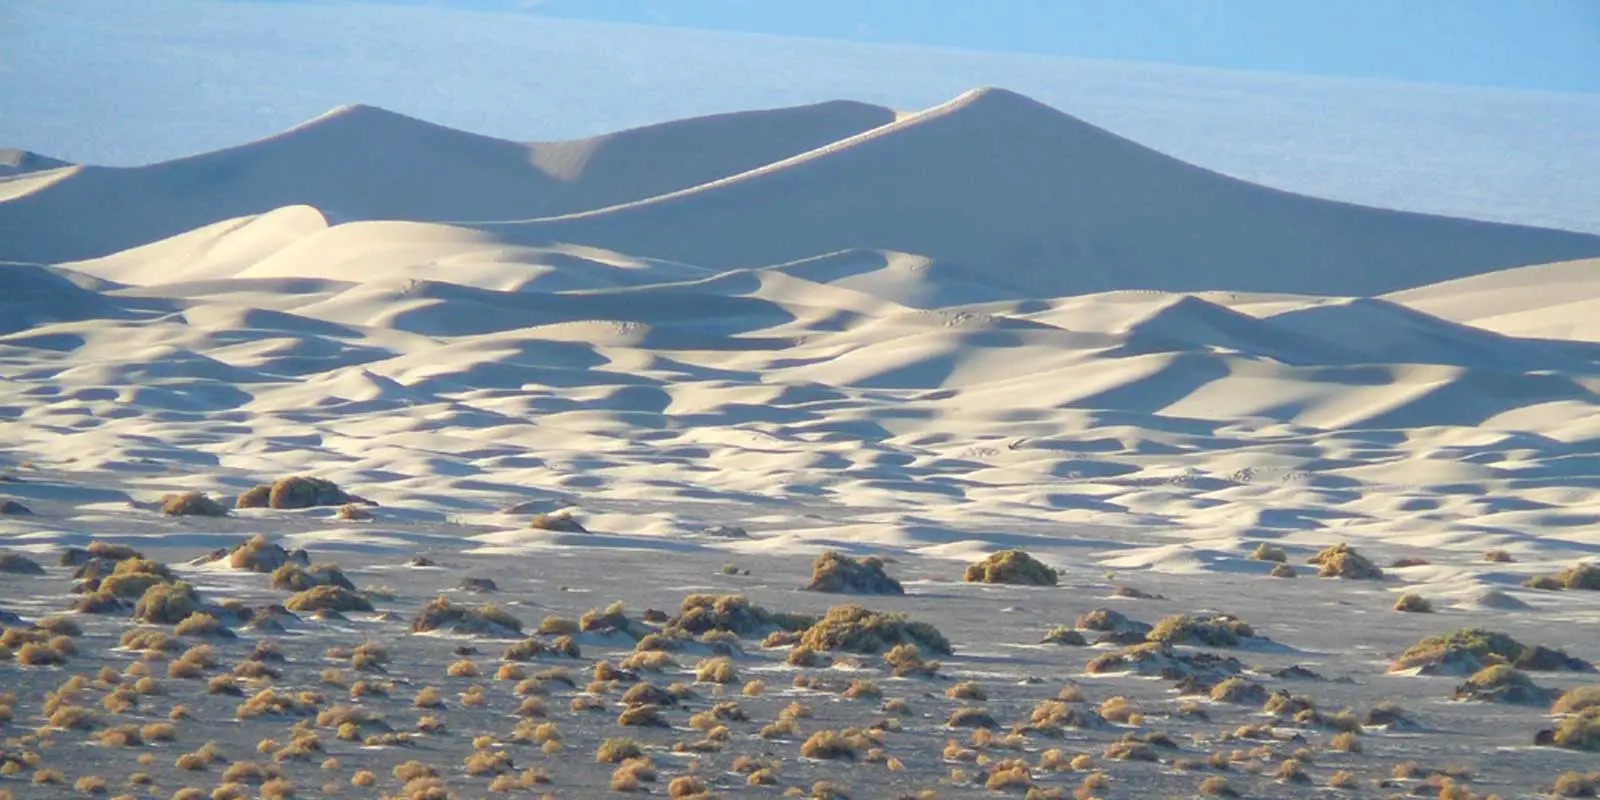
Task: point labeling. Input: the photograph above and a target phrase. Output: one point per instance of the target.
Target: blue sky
(1528, 44)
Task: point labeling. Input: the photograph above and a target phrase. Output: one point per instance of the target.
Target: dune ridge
(360, 162)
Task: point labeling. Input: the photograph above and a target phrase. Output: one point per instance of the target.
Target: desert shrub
(1342, 561)
(1238, 690)
(1577, 699)
(1064, 635)
(839, 573)
(1131, 750)
(108, 551)
(616, 751)
(1580, 731)
(643, 716)
(716, 670)
(192, 504)
(1578, 576)
(1011, 566)
(835, 745)
(268, 702)
(1266, 552)
(1106, 620)
(1575, 784)
(1503, 683)
(487, 620)
(1283, 571)
(1291, 770)
(202, 624)
(905, 660)
(967, 690)
(167, 603)
(1470, 649)
(1498, 556)
(257, 554)
(1220, 630)
(34, 654)
(1216, 786)
(353, 512)
(488, 762)
(296, 491)
(327, 598)
(854, 629)
(1413, 603)
(15, 564)
(734, 613)
(1386, 714)
(971, 718)
(255, 497)
(292, 577)
(557, 626)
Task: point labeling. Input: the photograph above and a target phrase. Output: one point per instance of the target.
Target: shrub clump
(1578, 576)
(838, 573)
(297, 491)
(485, 620)
(1413, 603)
(1062, 634)
(854, 629)
(257, 554)
(835, 745)
(1011, 566)
(1266, 552)
(1342, 561)
(1579, 731)
(1469, 650)
(1503, 683)
(734, 613)
(1221, 630)
(167, 603)
(328, 598)
(1577, 700)
(292, 577)
(192, 504)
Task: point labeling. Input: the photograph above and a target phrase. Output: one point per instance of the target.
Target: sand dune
(1544, 301)
(1053, 205)
(885, 341)
(895, 343)
(18, 162)
(360, 162)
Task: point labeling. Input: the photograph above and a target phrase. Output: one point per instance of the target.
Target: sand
(979, 327)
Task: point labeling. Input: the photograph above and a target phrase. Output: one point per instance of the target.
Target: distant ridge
(17, 162)
(1048, 202)
(361, 162)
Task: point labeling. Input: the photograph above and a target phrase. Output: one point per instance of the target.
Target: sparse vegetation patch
(1011, 566)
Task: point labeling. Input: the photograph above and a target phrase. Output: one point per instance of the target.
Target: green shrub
(838, 573)
(1011, 566)
(854, 629)
(192, 504)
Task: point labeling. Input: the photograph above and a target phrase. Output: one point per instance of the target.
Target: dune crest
(359, 162)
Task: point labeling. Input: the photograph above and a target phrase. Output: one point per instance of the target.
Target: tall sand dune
(1052, 204)
(365, 163)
